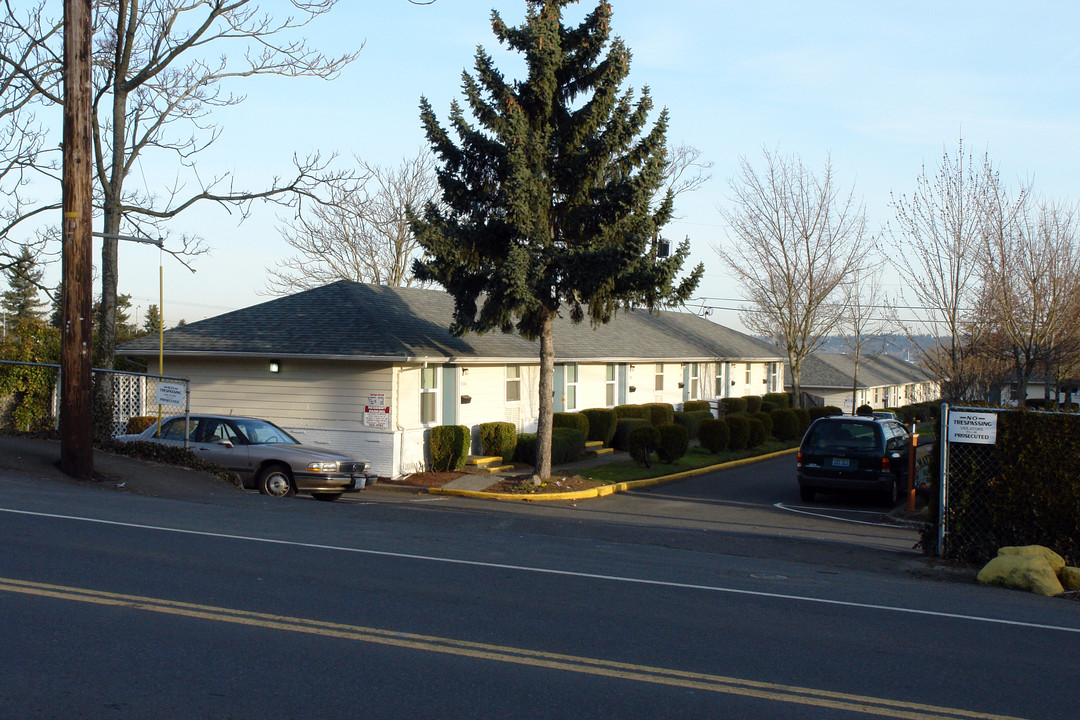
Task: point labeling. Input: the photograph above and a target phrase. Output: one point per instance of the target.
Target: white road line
(563, 573)
(782, 506)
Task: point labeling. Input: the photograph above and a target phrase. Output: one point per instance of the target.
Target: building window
(774, 377)
(695, 370)
(747, 373)
(609, 396)
(571, 386)
(720, 379)
(659, 377)
(513, 383)
(429, 394)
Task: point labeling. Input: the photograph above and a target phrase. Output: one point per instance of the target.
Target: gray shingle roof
(347, 319)
(835, 370)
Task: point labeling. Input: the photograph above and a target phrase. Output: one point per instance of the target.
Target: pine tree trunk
(546, 406)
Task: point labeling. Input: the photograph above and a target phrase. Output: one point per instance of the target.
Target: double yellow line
(498, 653)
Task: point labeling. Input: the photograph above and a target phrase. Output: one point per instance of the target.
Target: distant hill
(895, 345)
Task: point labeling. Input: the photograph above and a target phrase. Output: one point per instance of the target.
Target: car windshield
(260, 432)
(848, 435)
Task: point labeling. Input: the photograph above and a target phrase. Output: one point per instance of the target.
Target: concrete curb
(604, 490)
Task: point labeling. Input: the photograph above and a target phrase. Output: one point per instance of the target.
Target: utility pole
(76, 408)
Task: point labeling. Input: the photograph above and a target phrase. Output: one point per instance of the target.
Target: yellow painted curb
(603, 490)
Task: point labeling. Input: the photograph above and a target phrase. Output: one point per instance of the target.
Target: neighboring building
(884, 381)
(1066, 394)
(369, 368)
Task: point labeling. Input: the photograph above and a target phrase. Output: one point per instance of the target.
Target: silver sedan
(262, 454)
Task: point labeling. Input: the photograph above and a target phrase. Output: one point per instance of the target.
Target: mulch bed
(516, 484)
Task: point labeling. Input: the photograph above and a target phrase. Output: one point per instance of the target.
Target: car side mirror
(225, 443)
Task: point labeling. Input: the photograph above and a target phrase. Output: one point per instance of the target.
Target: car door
(219, 442)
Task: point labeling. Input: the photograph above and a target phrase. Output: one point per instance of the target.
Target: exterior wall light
(275, 366)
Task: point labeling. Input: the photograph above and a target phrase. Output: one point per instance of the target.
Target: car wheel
(892, 494)
(276, 481)
(326, 496)
(806, 493)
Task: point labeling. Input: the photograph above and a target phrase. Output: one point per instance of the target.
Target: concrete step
(602, 450)
(594, 444)
(483, 460)
(489, 469)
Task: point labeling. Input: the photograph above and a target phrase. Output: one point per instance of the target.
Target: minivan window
(850, 435)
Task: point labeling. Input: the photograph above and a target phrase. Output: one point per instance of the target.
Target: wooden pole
(76, 408)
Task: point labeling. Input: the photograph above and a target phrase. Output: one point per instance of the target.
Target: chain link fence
(118, 396)
(1004, 480)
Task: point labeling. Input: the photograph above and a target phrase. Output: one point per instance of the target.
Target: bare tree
(938, 237)
(795, 243)
(684, 171)
(1029, 273)
(156, 82)
(362, 233)
(861, 321)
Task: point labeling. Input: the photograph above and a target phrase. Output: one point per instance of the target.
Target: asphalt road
(702, 599)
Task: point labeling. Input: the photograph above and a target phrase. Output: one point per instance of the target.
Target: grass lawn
(695, 458)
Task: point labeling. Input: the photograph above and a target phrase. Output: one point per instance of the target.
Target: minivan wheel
(892, 494)
(276, 481)
(806, 493)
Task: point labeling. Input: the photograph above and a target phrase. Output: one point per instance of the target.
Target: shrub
(567, 445)
(757, 432)
(498, 438)
(803, 416)
(864, 411)
(525, 448)
(713, 434)
(601, 424)
(766, 421)
(449, 447)
(674, 442)
(623, 427)
(692, 421)
(137, 423)
(785, 425)
(696, 405)
(660, 413)
(753, 403)
(631, 411)
(738, 432)
(767, 407)
(571, 420)
(733, 405)
(781, 400)
(816, 412)
(643, 440)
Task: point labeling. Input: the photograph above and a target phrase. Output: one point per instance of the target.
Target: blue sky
(882, 87)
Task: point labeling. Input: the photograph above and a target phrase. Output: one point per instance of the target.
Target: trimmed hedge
(696, 406)
(601, 424)
(864, 411)
(785, 425)
(766, 421)
(660, 413)
(768, 407)
(753, 403)
(571, 420)
(623, 428)
(713, 435)
(449, 447)
(733, 405)
(643, 441)
(803, 416)
(498, 438)
(781, 400)
(738, 432)
(567, 445)
(757, 432)
(674, 442)
(815, 413)
(692, 421)
(631, 411)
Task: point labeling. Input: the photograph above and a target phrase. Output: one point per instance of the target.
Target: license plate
(841, 462)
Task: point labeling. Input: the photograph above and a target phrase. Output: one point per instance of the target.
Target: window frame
(611, 396)
(429, 394)
(570, 390)
(511, 380)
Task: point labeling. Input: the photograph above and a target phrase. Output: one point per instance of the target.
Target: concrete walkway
(478, 482)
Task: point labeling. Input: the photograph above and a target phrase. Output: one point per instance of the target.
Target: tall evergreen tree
(21, 301)
(547, 199)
